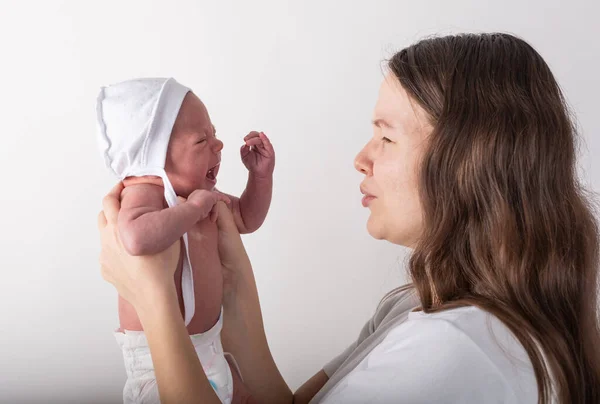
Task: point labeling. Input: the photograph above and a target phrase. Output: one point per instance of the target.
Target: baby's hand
(258, 155)
(205, 201)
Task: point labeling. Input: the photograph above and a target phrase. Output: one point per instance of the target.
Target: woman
(472, 165)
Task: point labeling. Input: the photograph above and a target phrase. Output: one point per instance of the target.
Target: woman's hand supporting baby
(135, 278)
(206, 201)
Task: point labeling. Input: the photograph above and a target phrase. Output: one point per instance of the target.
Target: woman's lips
(366, 200)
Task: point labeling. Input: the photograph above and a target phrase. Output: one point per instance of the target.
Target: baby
(156, 135)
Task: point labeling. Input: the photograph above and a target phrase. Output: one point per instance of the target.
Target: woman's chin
(401, 237)
(375, 229)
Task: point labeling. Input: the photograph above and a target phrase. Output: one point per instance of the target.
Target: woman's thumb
(225, 221)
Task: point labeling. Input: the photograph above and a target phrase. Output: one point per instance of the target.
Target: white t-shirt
(463, 355)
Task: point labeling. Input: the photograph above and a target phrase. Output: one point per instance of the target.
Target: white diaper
(141, 387)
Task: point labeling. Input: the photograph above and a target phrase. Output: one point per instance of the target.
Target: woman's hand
(205, 202)
(235, 263)
(136, 279)
(234, 260)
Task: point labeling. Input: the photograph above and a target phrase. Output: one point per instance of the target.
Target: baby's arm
(250, 210)
(146, 227)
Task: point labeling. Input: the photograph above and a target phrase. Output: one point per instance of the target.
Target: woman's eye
(201, 141)
(386, 140)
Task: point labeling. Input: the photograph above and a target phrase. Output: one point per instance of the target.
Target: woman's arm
(179, 374)
(309, 389)
(244, 337)
(243, 333)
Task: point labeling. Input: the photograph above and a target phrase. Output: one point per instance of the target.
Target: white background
(306, 73)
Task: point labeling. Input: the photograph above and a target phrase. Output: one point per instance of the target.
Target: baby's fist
(205, 202)
(258, 154)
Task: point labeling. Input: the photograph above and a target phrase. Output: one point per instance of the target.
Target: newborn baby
(157, 136)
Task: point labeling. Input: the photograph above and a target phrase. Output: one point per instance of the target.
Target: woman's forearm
(244, 336)
(179, 374)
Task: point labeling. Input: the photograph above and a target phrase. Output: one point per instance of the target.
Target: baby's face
(194, 152)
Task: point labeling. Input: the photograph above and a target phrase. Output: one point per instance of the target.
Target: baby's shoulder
(143, 191)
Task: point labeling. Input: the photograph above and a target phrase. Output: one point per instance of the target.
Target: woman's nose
(362, 163)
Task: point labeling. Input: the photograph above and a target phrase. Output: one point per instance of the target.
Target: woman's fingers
(234, 258)
(214, 214)
(223, 198)
(111, 203)
(225, 220)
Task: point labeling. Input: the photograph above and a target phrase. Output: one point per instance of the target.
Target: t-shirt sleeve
(429, 362)
(336, 362)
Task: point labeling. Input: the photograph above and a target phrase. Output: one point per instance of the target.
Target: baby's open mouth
(212, 173)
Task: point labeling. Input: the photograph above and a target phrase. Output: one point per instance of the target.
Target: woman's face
(390, 163)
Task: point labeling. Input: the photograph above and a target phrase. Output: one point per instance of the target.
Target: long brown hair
(507, 224)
